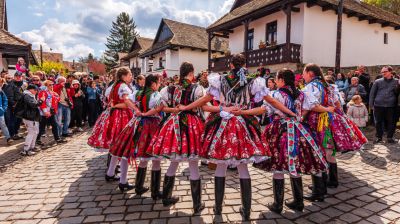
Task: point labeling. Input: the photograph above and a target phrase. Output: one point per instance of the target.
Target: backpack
(20, 107)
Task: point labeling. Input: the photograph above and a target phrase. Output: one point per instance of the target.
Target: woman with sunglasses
(48, 110)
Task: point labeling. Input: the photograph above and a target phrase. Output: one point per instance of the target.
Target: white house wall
(132, 62)
(198, 58)
(319, 42)
(174, 60)
(297, 27)
(236, 39)
(362, 43)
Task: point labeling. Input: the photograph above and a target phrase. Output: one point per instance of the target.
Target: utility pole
(41, 56)
(339, 37)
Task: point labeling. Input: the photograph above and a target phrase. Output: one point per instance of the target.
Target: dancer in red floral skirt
(135, 138)
(230, 139)
(293, 149)
(333, 131)
(119, 116)
(179, 136)
(98, 139)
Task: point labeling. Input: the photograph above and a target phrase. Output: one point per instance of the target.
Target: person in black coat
(31, 117)
(78, 102)
(13, 90)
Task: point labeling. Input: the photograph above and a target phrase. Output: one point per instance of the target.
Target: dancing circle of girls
(307, 129)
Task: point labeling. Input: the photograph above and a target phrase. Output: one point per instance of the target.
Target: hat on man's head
(32, 86)
(75, 82)
(18, 73)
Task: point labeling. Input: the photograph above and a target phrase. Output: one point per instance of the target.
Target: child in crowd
(357, 111)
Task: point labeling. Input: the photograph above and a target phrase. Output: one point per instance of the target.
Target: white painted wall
(297, 28)
(236, 39)
(315, 30)
(135, 62)
(196, 57)
(319, 39)
(175, 60)
(362, 43)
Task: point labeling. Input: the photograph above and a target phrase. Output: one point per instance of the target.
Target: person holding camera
(48, 111)
(64, 106)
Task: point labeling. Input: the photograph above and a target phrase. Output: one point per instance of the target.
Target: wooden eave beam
(295, 9)
(327, 7)
(220, 35)
(362, 18)
(350, 13)
(385, 24)
(397, 28)
(311, 3)
(372, 21)
(227, 31)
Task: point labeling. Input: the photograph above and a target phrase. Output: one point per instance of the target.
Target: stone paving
(65, 184)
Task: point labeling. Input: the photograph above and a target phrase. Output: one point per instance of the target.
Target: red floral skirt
(306, 159)
(135, 138)
(108, 126)
(178, 138)
(345, 135)
(233, 141)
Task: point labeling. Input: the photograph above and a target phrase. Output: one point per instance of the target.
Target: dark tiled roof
(145, 43)
(187, 35)
(10, 39)
(349, 5)
(368, 10)
(242, 11)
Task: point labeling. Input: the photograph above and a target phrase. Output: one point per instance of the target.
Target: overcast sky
(79, 27)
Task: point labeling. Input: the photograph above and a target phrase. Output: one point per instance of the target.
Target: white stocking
(279, 176)
(173, 166)
(221, 170)
(113, 164)
(143, 164)
(194, 169)
(243, 171)
(156, 165)
(124, 171)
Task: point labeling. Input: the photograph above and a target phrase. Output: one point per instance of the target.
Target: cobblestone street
(65, 184)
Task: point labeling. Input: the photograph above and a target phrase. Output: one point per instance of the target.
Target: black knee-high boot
(245, 191)
(140, 178)
(317, 189)
(278, 186)
(324, 181)
(155, 184)
(333, 176)
(219, 192)
(195, 187)
(169, 182)
(297, 189)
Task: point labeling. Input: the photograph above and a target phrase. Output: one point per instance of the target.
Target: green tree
(122, 34)
(389, 5)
